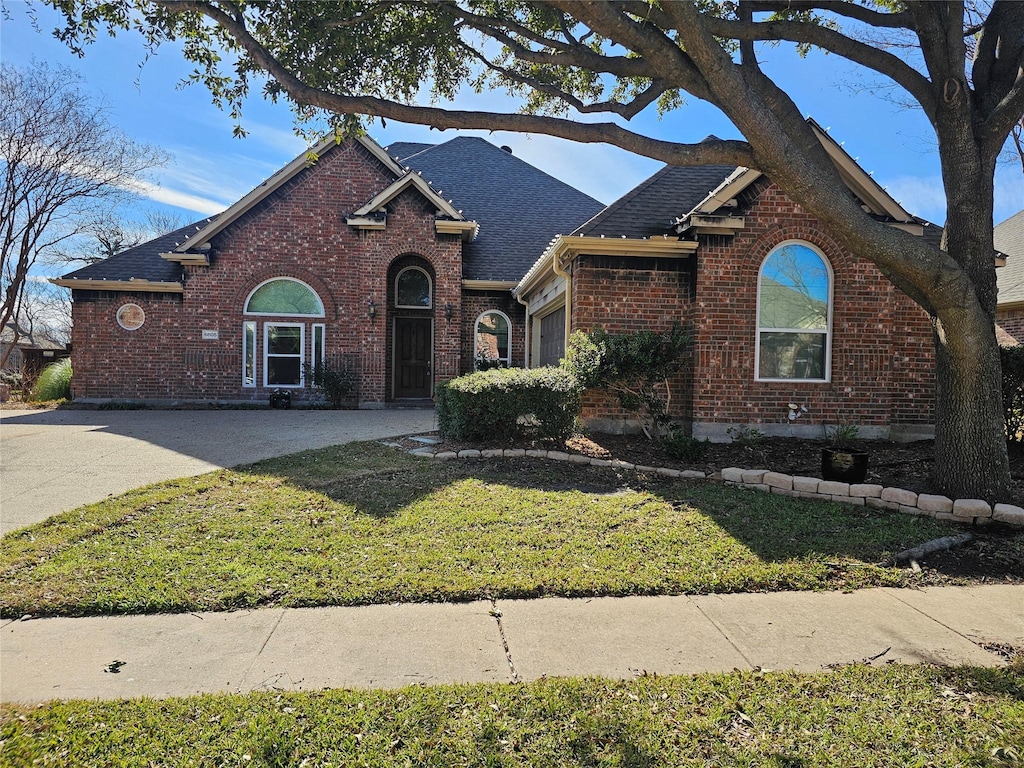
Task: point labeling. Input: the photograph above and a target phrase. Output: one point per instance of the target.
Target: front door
(413, 352)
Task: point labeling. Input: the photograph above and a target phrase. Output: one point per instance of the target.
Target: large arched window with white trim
(794, 315)
(493, 341)
(413, 289)
(286, 346)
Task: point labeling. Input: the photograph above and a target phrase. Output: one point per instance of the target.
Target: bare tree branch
(900, 19)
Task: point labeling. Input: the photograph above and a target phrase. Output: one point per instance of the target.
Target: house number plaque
(131, 317)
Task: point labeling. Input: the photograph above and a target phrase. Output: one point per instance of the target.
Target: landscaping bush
(679, 445)
(505, 403)
(54, 383)
(634, 366)
(1012, 360)
(337, 384)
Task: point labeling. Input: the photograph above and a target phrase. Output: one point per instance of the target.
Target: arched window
(413, 289)
(794, 315)
(287, 347)
(493, 341)
(284, 296)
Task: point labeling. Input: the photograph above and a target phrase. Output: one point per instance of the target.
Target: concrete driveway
(51, 461)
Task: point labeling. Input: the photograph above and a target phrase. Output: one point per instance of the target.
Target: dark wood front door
(413, 353)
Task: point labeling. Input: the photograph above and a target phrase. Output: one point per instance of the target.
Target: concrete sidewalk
(394, 645)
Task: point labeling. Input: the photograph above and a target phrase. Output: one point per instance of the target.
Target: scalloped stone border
(974, 511)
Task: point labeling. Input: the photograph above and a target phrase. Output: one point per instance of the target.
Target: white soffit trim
(489, 285)
(284, 175)
(868, 190)
(139, 286)
(392, 191)
(195, 259)
(565, 248)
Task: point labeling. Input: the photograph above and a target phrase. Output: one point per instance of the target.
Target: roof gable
(202, 238)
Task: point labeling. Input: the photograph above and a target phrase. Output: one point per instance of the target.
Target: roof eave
(136, 285)
(566, 248)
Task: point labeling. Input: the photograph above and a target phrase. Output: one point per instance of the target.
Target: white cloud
(179, 199)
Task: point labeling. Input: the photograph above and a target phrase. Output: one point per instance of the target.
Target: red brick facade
(1010, 326)
(298, 232)
(882, 356)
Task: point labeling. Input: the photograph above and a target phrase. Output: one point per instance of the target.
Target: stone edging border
(974, 511)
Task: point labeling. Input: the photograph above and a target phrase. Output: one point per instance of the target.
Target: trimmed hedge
(507, 403)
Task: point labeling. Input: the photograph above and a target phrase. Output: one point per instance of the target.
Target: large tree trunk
(970, 448)
(970, 445)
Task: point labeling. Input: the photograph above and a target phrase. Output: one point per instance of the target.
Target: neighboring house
(414, 265)
(32, 351)
(1009, 240)
(778, 311)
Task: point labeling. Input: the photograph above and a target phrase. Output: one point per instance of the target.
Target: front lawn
(855, 717)
(364, 524)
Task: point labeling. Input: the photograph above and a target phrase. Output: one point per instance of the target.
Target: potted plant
(840, 460)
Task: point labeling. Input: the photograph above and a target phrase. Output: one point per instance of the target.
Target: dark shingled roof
(142, 262)
(650, 208)
(402, 149)
(519, 208)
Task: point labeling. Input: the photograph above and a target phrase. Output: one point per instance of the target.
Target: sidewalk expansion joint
(496, 613)
(723, 633)
(263, 645)
(1003, 651)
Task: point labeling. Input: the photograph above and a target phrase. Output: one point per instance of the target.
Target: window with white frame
(284, 352)
(493, 341)
(413, 289)
(794, 315)
(283, 345)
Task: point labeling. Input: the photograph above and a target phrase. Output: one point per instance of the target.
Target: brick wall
(882, 356)
(625, 295)
(474, 304)
(298, 232)
(1010, 325)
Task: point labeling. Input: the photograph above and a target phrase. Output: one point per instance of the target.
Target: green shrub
(1012, 360)
(745, 435)
(54, 383)
(634, 366)
(337, 384)
(507, 403)
(679, 445)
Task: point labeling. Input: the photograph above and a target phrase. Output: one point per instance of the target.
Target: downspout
(557, 268)
(528, 336)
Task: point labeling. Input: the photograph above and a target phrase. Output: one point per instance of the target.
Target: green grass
(856, 717)
(366, 524)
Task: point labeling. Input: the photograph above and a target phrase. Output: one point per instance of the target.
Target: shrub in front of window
(636, 367)
(506, 403)
(337, 384)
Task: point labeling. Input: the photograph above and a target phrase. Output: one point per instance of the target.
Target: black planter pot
(844, 464)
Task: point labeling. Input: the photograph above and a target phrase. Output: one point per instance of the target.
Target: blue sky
(210, 169)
